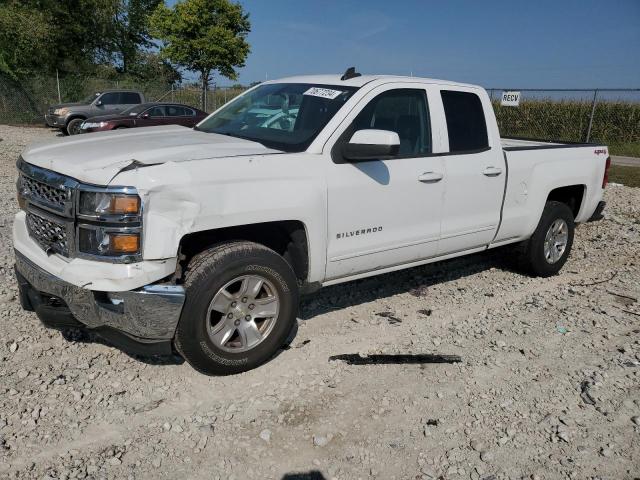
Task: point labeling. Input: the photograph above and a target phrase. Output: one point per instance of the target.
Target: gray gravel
(548, 386)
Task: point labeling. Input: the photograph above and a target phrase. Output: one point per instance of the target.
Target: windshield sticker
(323, 92)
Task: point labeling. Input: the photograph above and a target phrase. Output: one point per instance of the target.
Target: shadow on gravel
(415, 280)
(386, 359)
(313, 475)
(79, 335)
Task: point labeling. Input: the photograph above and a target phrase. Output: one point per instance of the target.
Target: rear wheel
(546, 252)
(241, 303)
(73, 126)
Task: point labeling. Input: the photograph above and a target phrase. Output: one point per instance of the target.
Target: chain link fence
(609, 116)
(26, 102)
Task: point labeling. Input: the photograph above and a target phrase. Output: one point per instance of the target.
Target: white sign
(510, 99)
(323, 92)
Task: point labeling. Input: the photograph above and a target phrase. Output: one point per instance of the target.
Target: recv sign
(510, 99)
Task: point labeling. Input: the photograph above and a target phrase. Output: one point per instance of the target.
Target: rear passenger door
(475, 171)
(129, 99)
(176, 115)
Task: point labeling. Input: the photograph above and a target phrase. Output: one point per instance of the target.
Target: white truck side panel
(533, 174)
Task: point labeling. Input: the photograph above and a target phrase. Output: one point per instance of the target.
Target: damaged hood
(97, 158)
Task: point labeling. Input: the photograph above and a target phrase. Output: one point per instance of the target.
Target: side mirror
(372, 144)
(144, 115)
(99, 103)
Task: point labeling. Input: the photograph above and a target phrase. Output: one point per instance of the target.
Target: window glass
(284, 116)
(189, 112)
(129, 98)
(403, 111)
(110, 98)
(155, 112)
(175, 111)
(465, 121)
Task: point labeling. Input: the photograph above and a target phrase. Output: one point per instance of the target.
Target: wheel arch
(288, 238)
(75, 116)
(571, 195)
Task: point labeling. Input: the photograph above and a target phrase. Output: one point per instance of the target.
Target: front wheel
(546, 252)
(241, 304)
(73, 127)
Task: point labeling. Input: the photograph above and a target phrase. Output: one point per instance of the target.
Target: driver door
(384, 213)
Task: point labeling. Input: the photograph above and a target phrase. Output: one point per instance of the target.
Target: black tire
(533, 257)
(73, 126)
(210, 271)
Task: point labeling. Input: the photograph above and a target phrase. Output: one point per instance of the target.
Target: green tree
(131, 31)
(81, 31)
(25, 40)
(203, 36)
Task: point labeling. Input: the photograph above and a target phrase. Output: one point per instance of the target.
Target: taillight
(605, 177)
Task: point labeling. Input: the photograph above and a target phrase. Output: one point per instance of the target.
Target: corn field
(615, 122)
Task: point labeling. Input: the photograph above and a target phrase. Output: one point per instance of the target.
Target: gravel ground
(548, 386)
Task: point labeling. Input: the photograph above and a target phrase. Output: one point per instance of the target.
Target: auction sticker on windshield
(323, 92)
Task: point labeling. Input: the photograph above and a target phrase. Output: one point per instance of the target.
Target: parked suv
(68, 117)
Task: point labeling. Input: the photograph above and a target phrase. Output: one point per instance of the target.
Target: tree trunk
(205, 85)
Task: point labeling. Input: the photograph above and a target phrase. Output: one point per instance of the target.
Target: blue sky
(541, 43)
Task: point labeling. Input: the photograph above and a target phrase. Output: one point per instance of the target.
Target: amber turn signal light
(125, 243)
(125, 204)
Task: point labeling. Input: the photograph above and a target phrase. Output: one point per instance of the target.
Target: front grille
(39, 191)
(50, 234)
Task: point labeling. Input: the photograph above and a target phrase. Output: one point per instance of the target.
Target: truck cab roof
(332, 79)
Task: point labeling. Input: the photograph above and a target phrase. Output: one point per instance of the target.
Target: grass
(625, 149)
(629, 176)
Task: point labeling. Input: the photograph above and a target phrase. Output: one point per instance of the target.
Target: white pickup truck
(201, 240)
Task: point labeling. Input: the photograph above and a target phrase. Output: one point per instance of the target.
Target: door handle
(492, 171)
(430, 177)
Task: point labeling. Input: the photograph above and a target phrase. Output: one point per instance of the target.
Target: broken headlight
(108, 203)
(108, 242)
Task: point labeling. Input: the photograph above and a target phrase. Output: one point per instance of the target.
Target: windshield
(91, 98)
(284, 116)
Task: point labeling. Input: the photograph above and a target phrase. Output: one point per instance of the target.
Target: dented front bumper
(146, 316)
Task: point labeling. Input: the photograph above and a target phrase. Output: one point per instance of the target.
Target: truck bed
(517, 143)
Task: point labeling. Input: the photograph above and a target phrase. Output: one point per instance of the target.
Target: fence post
(593, 110)
(58, 85)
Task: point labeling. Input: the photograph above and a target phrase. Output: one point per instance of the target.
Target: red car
(145, 115)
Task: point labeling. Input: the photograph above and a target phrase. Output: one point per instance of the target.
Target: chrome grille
(52, 235)
(42, 192)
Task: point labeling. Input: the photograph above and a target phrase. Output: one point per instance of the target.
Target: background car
(146, 115)
(69, 116)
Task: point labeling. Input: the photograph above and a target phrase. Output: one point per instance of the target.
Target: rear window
(175, 111)
(465, 121)
(129, 98)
